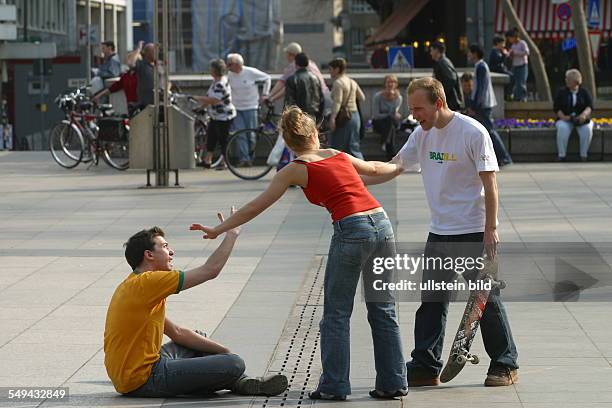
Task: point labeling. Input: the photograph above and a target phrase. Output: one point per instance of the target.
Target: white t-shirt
(450, 160)
(245, 92)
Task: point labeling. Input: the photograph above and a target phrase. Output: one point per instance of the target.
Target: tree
(585, 57)
(535, 57)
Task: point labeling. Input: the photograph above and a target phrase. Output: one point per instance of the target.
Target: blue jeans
(346, 138)
(519, 76)
(483, 116)
(564, 130)
(246, 119)
(183, 371)
(356, 239)
(430, 319)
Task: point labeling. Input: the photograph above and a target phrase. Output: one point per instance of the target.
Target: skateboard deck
(460, 350)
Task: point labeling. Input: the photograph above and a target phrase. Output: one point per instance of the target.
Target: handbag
(277, 151)
(344, 115)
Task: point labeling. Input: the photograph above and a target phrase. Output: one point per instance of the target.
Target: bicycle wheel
(200, 142)
(116, 154)
(247, 153)
(201, 148)
(66, 144)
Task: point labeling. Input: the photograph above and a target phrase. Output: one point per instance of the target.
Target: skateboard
(460, 351)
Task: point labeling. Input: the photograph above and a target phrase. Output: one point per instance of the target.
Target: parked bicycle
(248, 150)
(89, 132)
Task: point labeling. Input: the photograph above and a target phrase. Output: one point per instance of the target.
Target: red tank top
(333, 183)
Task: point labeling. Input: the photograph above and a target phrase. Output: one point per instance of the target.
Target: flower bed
(535, 139)
(513, 123)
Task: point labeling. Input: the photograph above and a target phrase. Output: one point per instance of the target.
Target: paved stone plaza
(61, 248)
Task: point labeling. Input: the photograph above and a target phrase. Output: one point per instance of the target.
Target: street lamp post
(161, 151)
(87, 42)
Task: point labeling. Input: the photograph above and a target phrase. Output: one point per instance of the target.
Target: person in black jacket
(303, 89)
(497, 61)
(573, 107)
(444, 71)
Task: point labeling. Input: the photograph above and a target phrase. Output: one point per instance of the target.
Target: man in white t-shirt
(458, 164)
(244, 82)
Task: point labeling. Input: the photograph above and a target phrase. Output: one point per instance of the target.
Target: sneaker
(419, 377)
(266, 386)
(500, 376)
(389, 395)
(318, 395)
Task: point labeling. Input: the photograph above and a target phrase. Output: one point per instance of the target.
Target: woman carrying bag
(344, 122)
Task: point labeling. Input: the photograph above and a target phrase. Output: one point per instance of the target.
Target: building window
(360, 7)
(357, 41)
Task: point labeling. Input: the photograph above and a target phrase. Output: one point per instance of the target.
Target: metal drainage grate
(297, 354)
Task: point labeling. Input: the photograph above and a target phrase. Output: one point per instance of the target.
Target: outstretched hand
(211, 232)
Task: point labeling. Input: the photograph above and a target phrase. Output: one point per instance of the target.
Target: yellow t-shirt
(135, 326)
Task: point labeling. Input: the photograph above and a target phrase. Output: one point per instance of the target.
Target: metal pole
(156, 125)
(166, 67)
(42, 101)
(88, 44)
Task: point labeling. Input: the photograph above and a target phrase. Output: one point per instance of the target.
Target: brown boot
(501, 376)
(419, 377)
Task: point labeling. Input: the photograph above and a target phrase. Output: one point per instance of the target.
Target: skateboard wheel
(502, 284)
(461, 359)
(475, 359)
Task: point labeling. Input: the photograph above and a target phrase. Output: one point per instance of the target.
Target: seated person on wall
(386, 115)
(136, 362)
(467, 85)
(573, 106)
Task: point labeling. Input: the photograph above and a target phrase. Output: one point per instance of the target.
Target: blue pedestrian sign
(401, 58)
(568, 44)
(594, 14)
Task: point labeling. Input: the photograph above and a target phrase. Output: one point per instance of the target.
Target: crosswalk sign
(593, 14)
(401, 58)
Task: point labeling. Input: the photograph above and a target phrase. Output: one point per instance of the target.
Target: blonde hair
(574, 74)
(298, 129)
(431, 86)
(391, 77)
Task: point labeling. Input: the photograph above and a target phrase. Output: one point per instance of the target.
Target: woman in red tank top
(332, 180)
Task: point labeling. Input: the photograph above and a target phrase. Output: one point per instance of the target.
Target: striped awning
(396, 22)
(539, 17)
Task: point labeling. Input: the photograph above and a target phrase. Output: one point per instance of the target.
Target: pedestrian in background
(482, 101)
(445, 72)
(519, 53)
(244, 81)
(573, 107)
(221, 110)
(303, 89)
(497, 61)
(345, 122)
(386, 115)
(291, 50)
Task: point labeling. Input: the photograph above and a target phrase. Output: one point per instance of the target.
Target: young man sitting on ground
(136, 362)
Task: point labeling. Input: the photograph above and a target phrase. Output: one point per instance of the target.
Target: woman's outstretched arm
(277, 187)
(376, 168)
